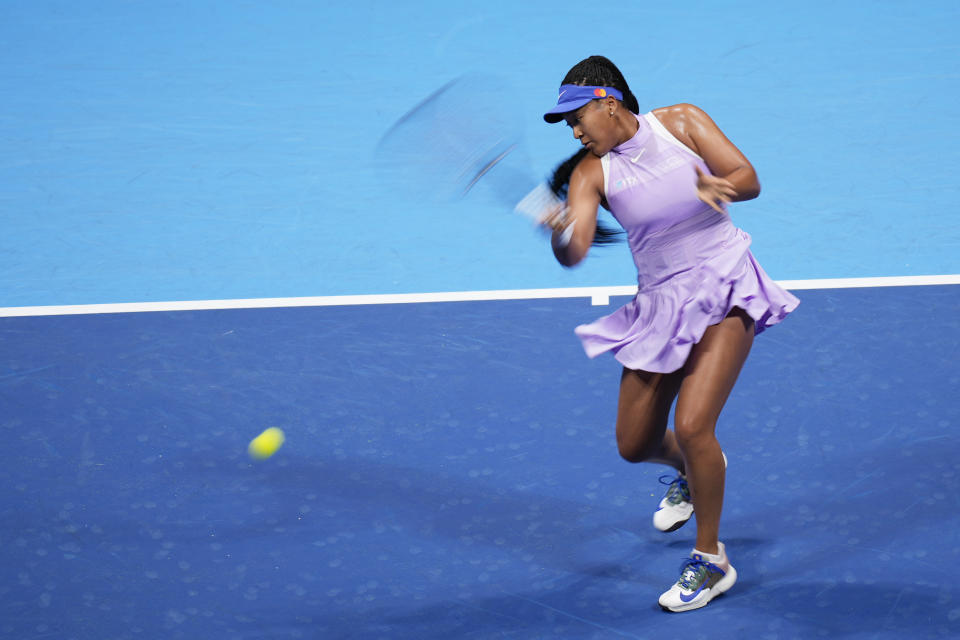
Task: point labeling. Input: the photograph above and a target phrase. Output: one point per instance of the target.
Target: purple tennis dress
(693, 264)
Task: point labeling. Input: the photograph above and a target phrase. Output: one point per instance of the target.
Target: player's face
(593, 127)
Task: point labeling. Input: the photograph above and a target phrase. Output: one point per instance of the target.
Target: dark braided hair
(600, 72)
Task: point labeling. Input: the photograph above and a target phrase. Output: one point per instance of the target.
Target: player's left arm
(734, 178)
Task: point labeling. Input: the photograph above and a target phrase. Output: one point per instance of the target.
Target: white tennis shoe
(703, 577)
(675, 508)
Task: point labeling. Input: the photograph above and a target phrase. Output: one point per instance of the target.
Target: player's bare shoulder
(679, 113)
(682, 120)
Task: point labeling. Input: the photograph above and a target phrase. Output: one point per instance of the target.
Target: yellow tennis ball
(266, 444)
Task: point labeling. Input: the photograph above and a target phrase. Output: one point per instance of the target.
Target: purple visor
(573, 96)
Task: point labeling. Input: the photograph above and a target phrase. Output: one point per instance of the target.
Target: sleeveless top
(693, 264)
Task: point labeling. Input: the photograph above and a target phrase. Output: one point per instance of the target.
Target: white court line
(598, 296)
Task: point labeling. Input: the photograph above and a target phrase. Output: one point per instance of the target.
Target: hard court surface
(450, 469)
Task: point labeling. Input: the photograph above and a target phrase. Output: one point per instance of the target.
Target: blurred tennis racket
(463, 138)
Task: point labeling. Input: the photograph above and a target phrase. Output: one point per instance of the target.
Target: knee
(635, 449)
(694, 432)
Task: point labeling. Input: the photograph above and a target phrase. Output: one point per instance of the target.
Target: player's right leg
(642, 412)
(642, 436)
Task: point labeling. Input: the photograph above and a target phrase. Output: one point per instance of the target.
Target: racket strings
(463, 138)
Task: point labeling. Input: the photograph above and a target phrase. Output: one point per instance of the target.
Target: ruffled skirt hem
(657, 329)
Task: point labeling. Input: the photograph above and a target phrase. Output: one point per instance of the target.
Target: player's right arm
(583, 199)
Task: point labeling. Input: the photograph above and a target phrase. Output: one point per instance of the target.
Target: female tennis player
(667, 176)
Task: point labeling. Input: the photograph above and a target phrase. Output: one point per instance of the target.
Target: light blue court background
(202, 150)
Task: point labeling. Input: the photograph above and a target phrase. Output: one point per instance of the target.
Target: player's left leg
(710, 374)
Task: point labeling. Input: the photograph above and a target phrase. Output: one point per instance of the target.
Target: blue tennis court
(450, 469)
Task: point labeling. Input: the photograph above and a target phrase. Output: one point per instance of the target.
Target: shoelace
(692, 572)
(678, 491)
